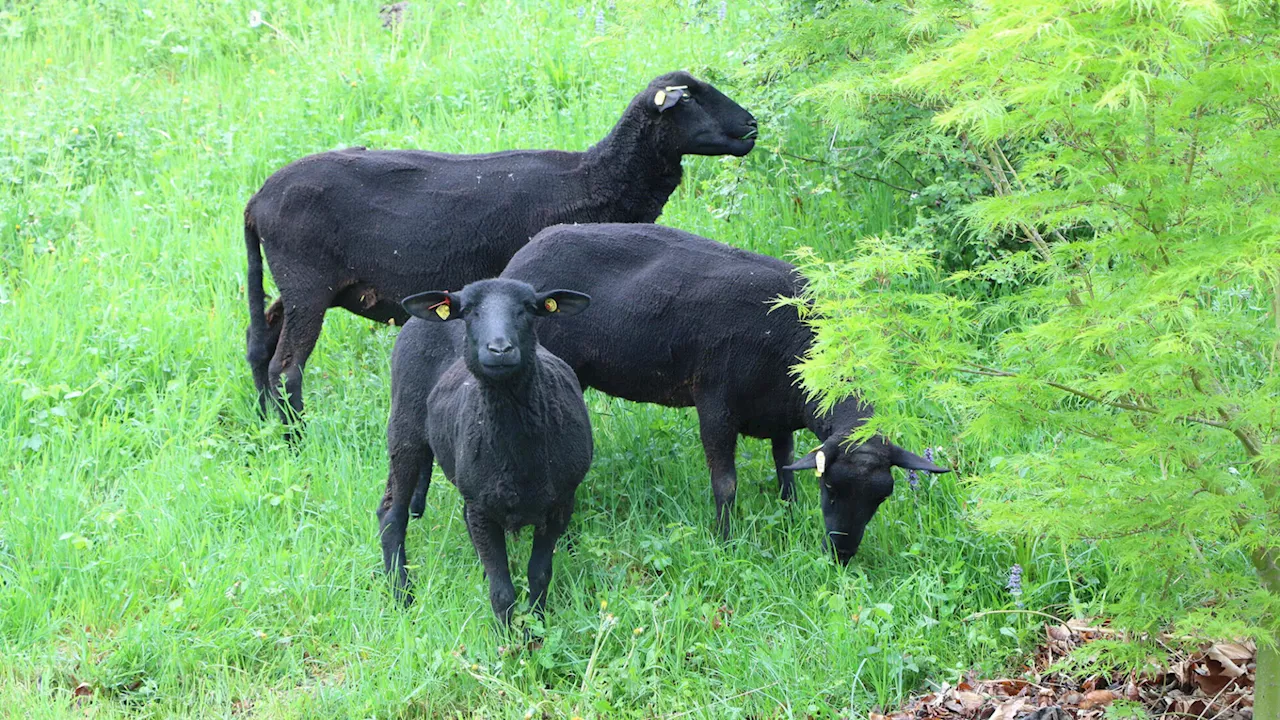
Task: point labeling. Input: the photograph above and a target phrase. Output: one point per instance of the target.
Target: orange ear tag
(551, 305)
(820, 464)
(443, 311)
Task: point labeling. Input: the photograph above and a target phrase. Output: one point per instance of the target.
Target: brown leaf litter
(1214, 682)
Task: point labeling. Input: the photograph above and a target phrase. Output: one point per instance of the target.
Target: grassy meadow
(163, 552)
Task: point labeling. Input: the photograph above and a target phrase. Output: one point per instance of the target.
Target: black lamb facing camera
(503, 417)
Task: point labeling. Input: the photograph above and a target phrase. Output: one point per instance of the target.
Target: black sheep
(680, 320)
(361, 229)
(502, 415)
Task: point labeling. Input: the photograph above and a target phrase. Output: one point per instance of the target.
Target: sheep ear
(562, 303)
(806, 462)
(436, 306)
(667, 98)
(911, 461)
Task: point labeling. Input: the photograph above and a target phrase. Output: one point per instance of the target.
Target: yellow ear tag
(820, 466)
(551, 305)
(443, 311)
(660, 98)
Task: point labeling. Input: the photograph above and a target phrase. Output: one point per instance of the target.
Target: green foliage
(1114, 376)
(847, 56)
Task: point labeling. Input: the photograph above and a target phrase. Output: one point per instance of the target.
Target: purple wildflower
(581, 11)
(1015, 584)
(600, 23)
(913, 477)
(724, 10)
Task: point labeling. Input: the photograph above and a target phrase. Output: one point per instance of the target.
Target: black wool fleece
(362, 229)
(681, 320)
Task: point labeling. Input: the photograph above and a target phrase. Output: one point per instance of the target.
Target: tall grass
(163, 550)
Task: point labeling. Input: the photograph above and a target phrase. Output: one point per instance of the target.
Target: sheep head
(694, 118)
(500, 339)
(854, 482)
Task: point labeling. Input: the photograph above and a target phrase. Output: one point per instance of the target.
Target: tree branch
(907, 172)
(999, 179)
(994, 372)
(1243, 434)
(1130, 533)
(847, 169)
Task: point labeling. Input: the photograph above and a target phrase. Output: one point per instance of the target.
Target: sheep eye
(686, 98)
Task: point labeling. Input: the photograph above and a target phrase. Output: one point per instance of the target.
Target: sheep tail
(257, 297)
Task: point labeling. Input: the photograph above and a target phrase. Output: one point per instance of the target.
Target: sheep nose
(500, 347)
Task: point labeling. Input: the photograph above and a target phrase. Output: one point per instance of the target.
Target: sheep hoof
(404, 594)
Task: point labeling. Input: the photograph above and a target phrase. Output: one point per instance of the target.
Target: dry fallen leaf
(1235, 651)
(1059, 632)
(1009, 709)
(1215, 682)
(1053, 712)
(1229, 654)
(970, 700)
(1013, 687)
(1210, 677)
(1097, 698)
(1182, 671)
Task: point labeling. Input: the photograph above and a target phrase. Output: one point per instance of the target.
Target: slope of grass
(165, 552)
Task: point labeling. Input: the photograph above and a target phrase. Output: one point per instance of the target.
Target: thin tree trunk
(1266, 561)
(1266, 698)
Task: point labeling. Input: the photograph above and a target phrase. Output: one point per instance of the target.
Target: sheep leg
(783, 446)
(259, 348)
(298, 337)
(406, 465)
(719, 443)
(418, 504)
(544, 546)
(491, 546)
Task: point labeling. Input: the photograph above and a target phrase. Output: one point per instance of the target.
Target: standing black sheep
(361, 229)
(504, 417)
(681, 320)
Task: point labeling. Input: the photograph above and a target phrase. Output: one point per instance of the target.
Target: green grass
(162, 546)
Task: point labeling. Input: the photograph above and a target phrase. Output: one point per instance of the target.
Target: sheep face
(697, 119)
(500, 339)
(854, 481)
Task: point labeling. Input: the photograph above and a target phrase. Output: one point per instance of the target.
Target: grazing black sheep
(361, 229)
(681, 320)
(504, 418)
